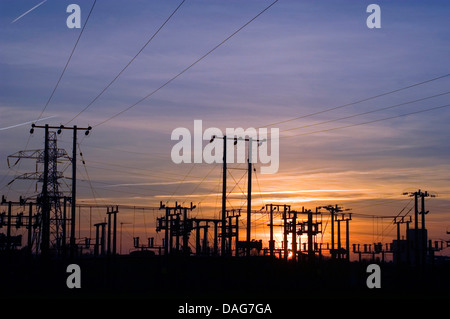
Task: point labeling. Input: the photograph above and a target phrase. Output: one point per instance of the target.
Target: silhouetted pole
(249, 194)
(424, 236)
(237, 236)
(74, 192)
(224, 197)
(408, 243)
(64, 228)
(294, 235)
(230, 234)
(108, 249)
(185, 233)
(45, 240)
(311, 253)
(171, 233)
(333, 254)
(339, 238)
(45, 205)
(285, 239)
(112, 226)
(115, 231)
(177, 238)
(271, 241)
(347, 237)
(166, 233)
(416, 228)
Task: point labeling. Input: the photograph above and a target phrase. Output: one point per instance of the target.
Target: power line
(359, 101)
(136, 171)
(368, 112)
(68, 60)
(179, 184)
(123, 191)
(128, 64)
(373, 121)
(187, 68)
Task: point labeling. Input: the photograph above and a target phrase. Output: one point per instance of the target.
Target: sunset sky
(296, 59)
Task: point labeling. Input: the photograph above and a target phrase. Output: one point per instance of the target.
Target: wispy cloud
(38, 5)
(25, 123)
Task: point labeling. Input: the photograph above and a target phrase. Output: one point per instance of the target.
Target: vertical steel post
(177, 238)
(333, 254)
(347, 238)
(311, 253)
(237, 236)
(294, 236)
(114, 248)
(339, 239)
(416, 228)
(285, 239)
(249, 194)
(271, 241)
(166, 233)
(108, 249)
(424, 237)
(64, 228)
(224, 197)
(74, 193)
(45, 238)
(185, 233)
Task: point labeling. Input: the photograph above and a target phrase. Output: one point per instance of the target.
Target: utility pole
(294, 235)
(271, 241)
(7, 219)
(46, 208)
(286, 212)
(398, 249)
(51, 223)
(45, 201)
(112, 211)
(224, 194)
(249, 187)
(311, 253)
(171, 225)
(333, 211)
(249, 196)
(347, 236)
(74, 194)
(420, 244)
(285, 233)
(416, 228)
(224, 197)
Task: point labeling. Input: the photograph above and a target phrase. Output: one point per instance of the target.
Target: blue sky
(297, 58)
